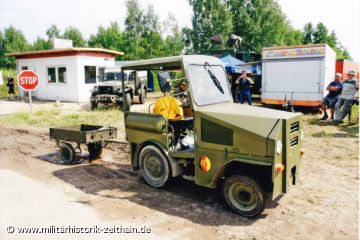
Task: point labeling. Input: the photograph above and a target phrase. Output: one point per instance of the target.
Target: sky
(33, 17)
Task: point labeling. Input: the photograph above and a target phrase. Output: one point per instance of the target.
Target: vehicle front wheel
(93, 105)
(244, 195)
(142, 95)
(127, 102)
(154, 166)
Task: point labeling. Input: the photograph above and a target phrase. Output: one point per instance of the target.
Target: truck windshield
(112, 76)
(208, 84)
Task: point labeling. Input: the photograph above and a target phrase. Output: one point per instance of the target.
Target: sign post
(28, 80)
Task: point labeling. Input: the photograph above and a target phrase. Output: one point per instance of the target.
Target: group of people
(240, 88)
(340, 98)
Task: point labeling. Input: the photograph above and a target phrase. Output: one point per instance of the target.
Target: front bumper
(106, 98)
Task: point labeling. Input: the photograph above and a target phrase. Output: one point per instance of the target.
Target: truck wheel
(244, 195)
(127, 102)
(93, 105)
(67, 153)
(154, 166)
(95, 150)
(142, 95)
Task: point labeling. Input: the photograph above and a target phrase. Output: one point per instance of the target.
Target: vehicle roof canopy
(171, 63)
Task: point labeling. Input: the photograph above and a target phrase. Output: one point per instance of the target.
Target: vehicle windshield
(208, 84)
(113, 76)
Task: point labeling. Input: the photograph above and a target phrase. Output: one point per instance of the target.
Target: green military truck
(251, 153)
(109, 91)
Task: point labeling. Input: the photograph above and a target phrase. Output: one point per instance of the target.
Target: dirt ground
(324, 205)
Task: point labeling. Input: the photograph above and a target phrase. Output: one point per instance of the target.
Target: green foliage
(321, 35)
(42, 44)
(53, 32)
(75, 35)
(108, 38)
(13, 40)
(210, 18)
(3, 87)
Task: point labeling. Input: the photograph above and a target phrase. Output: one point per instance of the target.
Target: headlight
(302, 134)
(278, 146)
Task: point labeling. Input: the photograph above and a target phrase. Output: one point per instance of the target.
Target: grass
(349, 129)
(3, 87)
(57, 117)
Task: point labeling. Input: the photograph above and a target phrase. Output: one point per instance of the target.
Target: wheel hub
(243, 196)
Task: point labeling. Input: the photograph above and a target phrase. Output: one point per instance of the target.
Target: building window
(51, 75)
(62, 74)
(90, 74)
(56, 75)
(23, 68)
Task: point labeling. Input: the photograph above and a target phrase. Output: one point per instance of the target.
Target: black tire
(67, 153)
(93, 105)
(142, 95)
(244, 195)
(127, 102)
(154, 166)
(95, 150)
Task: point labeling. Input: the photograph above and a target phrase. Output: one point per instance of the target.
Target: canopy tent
(234, 65)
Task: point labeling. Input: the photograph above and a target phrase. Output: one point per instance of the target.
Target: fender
(221, 171)
(176, 169)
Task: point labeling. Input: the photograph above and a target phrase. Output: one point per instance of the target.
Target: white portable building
(66, 74)
(297, 75)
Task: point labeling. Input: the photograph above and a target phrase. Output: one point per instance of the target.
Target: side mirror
(164, 81)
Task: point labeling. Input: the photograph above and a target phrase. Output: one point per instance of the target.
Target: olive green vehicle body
(234, 137)
(83, 133)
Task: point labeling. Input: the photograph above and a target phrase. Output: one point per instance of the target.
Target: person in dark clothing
(330, 100)
(244, 84)
(11, 85)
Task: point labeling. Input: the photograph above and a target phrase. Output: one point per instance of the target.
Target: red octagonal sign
(28, 80)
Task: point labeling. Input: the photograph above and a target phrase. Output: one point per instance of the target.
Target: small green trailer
(92, 135)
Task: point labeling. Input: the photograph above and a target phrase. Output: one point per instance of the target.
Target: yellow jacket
(169, 107)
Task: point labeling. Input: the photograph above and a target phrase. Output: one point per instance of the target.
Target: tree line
(260, 23)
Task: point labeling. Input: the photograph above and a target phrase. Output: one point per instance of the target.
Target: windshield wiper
(213, 77)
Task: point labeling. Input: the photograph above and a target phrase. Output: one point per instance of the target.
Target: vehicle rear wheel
(67, 153)
(244, 195)
(154, 166)
(142, 95)
(95, 150)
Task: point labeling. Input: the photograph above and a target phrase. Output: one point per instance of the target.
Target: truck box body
(297, 75)
(343, 66)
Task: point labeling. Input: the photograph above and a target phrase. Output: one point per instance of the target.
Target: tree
(75, 35)
(13, 41)
(173, 44)
(42, 44)
(320, 34)
(308, 33)
(210, 17)
(260, 23)
(109, 38)
(53, 32)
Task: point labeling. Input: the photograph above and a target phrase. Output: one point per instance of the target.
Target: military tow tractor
(199, 133)
(109, 92)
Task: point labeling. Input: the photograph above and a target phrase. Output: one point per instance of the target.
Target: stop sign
(28, 80)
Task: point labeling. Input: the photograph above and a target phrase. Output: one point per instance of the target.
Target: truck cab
(197, 132)
(109, 90)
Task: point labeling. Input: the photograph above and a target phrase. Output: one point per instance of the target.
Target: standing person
(244, 87)
(330, 100)
(11, 85)
(346, 98)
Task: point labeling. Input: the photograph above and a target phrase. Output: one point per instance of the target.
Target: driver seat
(169, 107)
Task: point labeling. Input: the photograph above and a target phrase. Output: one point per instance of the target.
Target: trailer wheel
(95, 150)
(154, 166)
(244, 195)
(142, 95)
(67, 153)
